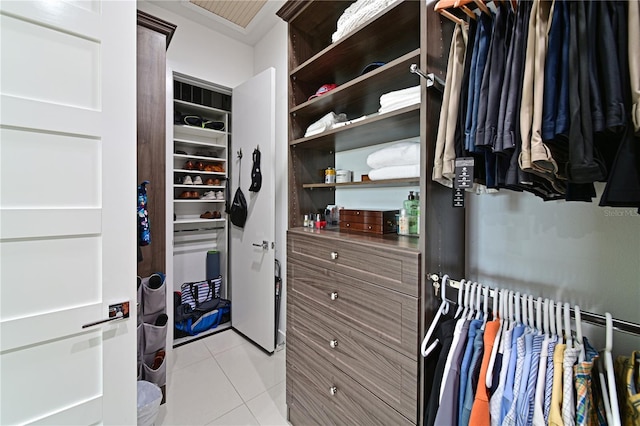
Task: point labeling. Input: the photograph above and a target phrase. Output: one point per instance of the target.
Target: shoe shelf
(372, 183)
(197, 200)
(184, 129)
(198, 172)
(179, 141)
(220, 188)
(199, 157)
(198, 220)
(188, 107)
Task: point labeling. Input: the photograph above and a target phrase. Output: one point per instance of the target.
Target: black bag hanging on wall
(238, 211)
(256, 174)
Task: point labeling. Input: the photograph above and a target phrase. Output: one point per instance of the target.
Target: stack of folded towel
(400, 160)
(399, 99)
(357, 14)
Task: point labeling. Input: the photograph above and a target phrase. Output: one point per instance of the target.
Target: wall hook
(240, 154)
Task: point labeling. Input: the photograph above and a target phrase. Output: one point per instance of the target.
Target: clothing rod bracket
(431, 78)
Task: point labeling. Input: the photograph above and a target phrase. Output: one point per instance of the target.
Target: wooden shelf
(362, 95)
(219, 187)
(395, 125)
(183, 129)
(376, 183)
(197, 200)
(197, 108)
(190, 221)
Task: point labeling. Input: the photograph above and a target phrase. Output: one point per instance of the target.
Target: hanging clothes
(628, 381)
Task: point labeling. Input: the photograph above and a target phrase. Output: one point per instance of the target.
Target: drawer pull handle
(334, 255)
(334, 295)
(333, 390)
(333, 343)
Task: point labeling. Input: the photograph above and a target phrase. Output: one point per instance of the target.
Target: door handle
(117, 311)
(264, 245)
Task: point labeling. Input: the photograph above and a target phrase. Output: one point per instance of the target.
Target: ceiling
(244, 20)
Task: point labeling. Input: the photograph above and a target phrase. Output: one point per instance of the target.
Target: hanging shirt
(521, 400)
(495, 402)
(510, 418)
(509, 391)
(589, 410)
(538, 400)
(448, 410)
(532, 381)
(457, 334)
(445, 337)
(548, 387)
(555, 411)
(568, 400)
(472, 378)
(627, 370)
(480, 409)
(466, 363)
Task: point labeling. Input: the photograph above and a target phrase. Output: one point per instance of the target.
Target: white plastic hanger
(539, 315)
(567, 326)
(472, 295)
(559, 322)
(553, 331)
(442, 310)
(516, 304)
(498, 313)
(545, 317)
(608, 365)
(579, 338)
(467, 295)
(532, 323)
(485, 306)
(460, 298)
(478, 304)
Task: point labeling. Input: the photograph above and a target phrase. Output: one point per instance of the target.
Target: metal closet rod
(432, 79)
(587, 317)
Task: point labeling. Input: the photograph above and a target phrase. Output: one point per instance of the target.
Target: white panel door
(252, 265)
(67, 211)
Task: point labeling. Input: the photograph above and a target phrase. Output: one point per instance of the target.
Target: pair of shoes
(211, 215)
(189, 194)
(155, 281)
(212, 182)
(189, 165)
(209, 195)
(219, 195)
(158, 360)
(197, 180)
(215, 167)
(162, 320)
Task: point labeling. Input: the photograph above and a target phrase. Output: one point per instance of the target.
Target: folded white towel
(398, 154)
(398, 105)
(356, 15)
(346, 123)
(325, 123)
(410, 93)
(395, 172)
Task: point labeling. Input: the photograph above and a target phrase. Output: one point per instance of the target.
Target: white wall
(575, 252)
(199, 52)
(271, 51)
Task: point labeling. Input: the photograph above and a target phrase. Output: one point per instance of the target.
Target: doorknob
(264, 245)
(117, 311)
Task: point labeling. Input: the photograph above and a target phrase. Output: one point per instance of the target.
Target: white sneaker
(187, 180)
(208, 195)
(219, 195)
(197, 180)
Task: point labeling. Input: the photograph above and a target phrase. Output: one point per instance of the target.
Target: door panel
(67, 212)
(252, 267)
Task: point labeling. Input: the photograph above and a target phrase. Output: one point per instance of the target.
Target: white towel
(356, 15)
(395, 172)
(410, 93)
(324, 123)
(399, 154)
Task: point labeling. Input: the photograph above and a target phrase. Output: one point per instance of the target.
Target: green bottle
(412, 206)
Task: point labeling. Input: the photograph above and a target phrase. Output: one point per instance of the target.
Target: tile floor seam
(231, 381)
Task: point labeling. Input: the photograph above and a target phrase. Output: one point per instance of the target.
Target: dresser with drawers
(353, 329)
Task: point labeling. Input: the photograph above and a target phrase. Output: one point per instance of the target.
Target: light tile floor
(224, 379)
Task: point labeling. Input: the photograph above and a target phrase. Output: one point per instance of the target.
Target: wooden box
(368, 221)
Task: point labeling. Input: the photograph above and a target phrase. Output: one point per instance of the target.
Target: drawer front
(385, 316)
(389, 267)
(370, 228)
(389, 375)
(312, 378)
